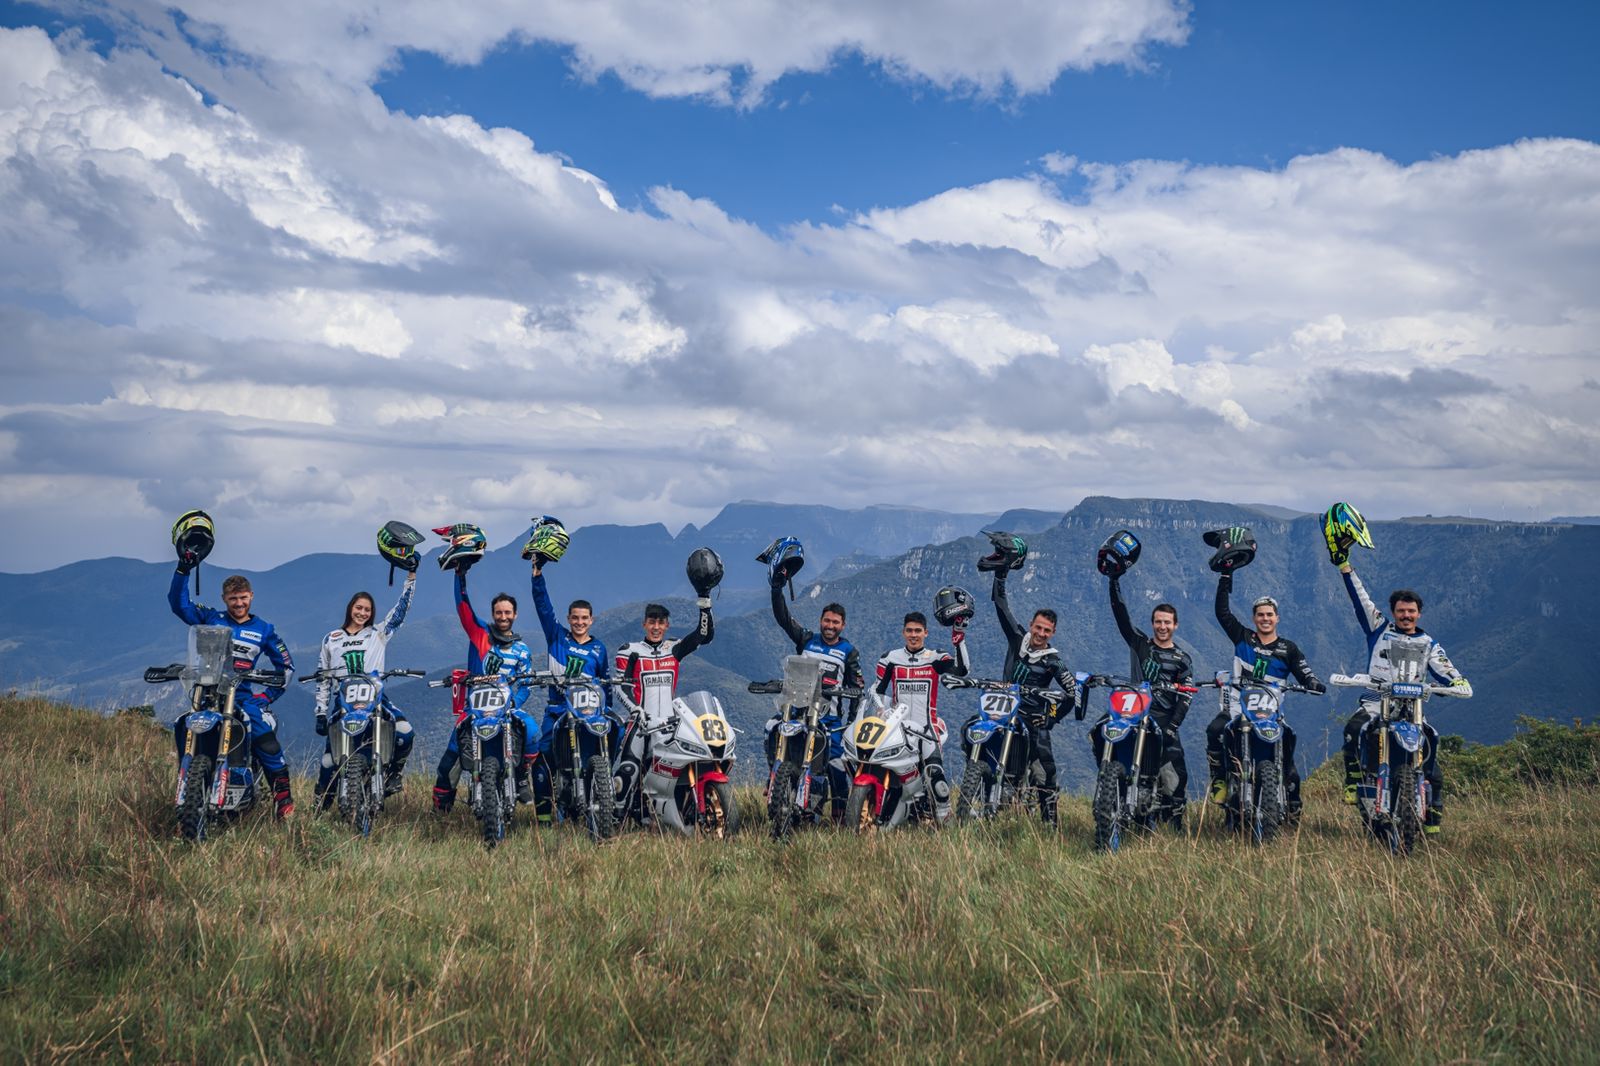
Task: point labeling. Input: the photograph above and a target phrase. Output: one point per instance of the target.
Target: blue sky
(313, 266)
(1256, 84)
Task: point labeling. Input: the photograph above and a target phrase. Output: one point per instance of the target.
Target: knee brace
(267, 743)
(327, 760)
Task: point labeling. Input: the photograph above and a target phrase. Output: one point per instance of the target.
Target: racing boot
(281, 794)
(1047, 807)
(1430, 824)
(444, 798)
(1219, 791)
(523, 775)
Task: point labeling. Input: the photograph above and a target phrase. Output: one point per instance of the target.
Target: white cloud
(299, 278)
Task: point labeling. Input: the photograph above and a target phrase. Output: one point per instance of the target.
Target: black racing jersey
(1277, 660)
(1155, 664)
(1030, 667)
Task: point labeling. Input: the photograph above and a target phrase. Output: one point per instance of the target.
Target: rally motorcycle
(886, 761)
(1394, 796)
(1257, 800)
(487, 740)
(999, 745)
(684, 785)
(360, 741)
(1129, 747)
(797, 793)
(583, 754)
(216, 773)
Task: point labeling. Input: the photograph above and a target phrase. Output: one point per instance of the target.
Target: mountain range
(1501, 596)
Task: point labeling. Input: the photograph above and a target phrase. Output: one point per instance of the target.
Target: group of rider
(647, 670)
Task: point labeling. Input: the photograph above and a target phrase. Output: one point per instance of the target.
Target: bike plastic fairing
(802, 680)
(1131, 703)
(202, 721)
(355, 722)
(488, 696)
(980, 731)
(358, 692)
(210, 655)
(1407, 735)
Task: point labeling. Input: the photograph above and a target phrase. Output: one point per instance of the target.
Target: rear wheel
(859, 816)
(1406, 821)
(780, 801)
(974, 799)
(491, 812)
(355, 798)
(1109, 790)
(192, 814)
(1269, 801)
(602, 800)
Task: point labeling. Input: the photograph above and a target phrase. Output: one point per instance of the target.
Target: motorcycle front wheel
(601, 813)
(720, 819)
(192, 814)
(355, 799)
(1109, 790)
(1405, 824)
(973, 802)
(859, 817)
(780, 802)
(491, 811)
(1269, 806)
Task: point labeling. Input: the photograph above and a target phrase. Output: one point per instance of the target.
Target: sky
(313, 266)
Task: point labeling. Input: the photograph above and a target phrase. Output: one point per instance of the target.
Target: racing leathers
(488, 652)
(841, 666)
(362, 652)
(1277, 660)
(1033, 667)
(1159, 666)
(252, 638)
(569, 657)
(649, 670)
(1380, 633)
(911, 678)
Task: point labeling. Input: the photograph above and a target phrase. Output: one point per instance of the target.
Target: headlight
(354, 725)
(489, 732)
(891, 753)
(694, 747)
(792, 728)
(598, 726)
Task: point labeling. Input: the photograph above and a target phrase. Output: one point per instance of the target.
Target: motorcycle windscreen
(701, 713)
(802, 680)
(1408, 657)
(210, 655)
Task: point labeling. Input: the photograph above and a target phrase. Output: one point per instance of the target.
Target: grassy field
(1008, 944)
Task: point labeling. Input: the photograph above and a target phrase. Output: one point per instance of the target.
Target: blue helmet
(784, 558)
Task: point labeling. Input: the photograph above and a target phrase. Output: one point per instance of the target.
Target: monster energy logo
(1152, 669)
(353, 661)
(575, 664)
(491, 665)
(1259, 671)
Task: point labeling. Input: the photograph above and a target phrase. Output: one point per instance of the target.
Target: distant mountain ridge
(1504, 597)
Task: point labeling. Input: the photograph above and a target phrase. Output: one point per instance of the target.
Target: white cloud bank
(281, 301)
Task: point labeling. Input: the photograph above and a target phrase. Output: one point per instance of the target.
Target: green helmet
(548, 542)
(397, 543)
(1343, 527)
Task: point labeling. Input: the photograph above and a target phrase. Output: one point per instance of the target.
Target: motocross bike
(686, 759)
(1257, 800)
(583, 754)
(799, 787)
(360, 741)
(1129, 746)
(216, 775)
(999, 745)
(487, 740)
(887, 759)
(1395, 745)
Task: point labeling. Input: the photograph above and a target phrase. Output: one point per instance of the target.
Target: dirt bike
(685, 760)
(583, 754)
(887, 760)
(216, 773)
(1395, 746)
(1129, 747)
(1257, 800)
(489, 751)
(798, 786)
(360, 741)
(999, 746)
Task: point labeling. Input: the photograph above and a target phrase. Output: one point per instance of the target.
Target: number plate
(584, 698)
(997, 704)
(486, 699)
(358, 690)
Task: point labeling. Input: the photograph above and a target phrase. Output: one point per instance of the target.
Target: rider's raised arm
(792, 629)
(553, 629)
(703, 633)
(477, 632)
(397, 613)
(1367, 613)
(182, 606)
(1119, 611)
(1002, 610)
(1235, 629)
(956, 665)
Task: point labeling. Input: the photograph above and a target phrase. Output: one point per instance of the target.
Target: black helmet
(704, 569)
(193, 535)
(548, 541)
(784, 558)
(1009, 551)
(1236, 547)
(1118, 554)
(397, 543)
(467, 545)
(953, 605)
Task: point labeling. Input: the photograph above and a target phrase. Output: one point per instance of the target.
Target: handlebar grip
(309, 677)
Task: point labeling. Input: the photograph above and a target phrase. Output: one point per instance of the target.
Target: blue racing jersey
(487, 651)
(568, 657)
(251, 638)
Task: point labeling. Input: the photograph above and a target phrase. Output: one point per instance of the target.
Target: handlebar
(1367, 681)
(1221, 681)
(333, 674)
(156, 675)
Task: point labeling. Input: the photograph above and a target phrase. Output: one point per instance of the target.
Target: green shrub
(1541, 753)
